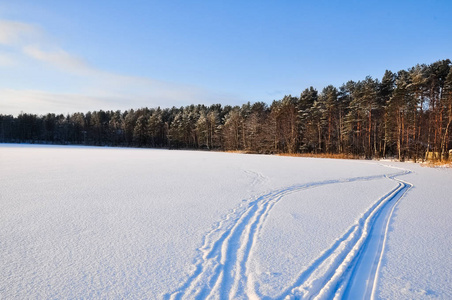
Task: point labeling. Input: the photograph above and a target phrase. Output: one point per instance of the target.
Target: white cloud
(111, 82)
(95, 88)
(16, 33)
(60, 59)
(7, 60)
(42, 102)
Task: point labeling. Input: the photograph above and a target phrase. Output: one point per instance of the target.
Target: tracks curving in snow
(221, 267)
(349, 268)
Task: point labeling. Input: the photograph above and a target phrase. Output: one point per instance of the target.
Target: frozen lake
(86, 222)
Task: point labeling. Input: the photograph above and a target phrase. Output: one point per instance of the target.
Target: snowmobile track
(221, 267)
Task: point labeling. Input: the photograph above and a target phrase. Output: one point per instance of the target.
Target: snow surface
(87, 222)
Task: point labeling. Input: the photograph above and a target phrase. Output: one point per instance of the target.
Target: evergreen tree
(407, 115)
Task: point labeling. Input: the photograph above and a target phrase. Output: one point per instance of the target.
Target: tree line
(407, 115)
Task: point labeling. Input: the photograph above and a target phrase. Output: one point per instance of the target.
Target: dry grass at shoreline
(437, 164)
(321, 155)
(430, 164)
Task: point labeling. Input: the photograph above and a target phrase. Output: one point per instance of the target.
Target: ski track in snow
(221, 267)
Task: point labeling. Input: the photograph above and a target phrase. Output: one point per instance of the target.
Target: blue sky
(68, 56)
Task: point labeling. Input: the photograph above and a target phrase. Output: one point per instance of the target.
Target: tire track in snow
(349, 268)
(220, 269)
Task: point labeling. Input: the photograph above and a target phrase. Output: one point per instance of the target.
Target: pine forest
(405, 115)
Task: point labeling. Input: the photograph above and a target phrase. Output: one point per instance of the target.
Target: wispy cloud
(42, 102)
(97, 89)
(60, 59)
(16, 33)
(110, 81)
(7, 60)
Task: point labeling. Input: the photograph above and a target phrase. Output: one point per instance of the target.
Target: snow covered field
(112, 223)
